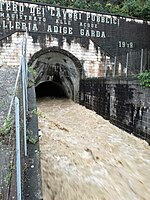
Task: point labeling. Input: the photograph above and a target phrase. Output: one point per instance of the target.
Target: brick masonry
(89, 56)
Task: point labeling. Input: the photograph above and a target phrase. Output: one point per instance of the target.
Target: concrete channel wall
(122, 101)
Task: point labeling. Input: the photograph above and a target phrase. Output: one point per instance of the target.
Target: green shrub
(6, 128)
(144, 78)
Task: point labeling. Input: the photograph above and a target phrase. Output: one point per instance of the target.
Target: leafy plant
(6, 127)
(31, 83)
(8, 176)
(38, 113)
(31, 137)
(144, 78)
(25, 166)
(146, 10)
(32, 71)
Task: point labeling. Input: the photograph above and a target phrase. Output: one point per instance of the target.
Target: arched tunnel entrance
(50, 89)
(57, 73)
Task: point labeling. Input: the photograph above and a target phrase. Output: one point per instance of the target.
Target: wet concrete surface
(84, 157)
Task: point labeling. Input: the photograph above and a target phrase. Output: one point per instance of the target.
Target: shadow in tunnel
(50, 89)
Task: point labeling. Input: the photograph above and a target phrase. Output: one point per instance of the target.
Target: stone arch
(58, 66)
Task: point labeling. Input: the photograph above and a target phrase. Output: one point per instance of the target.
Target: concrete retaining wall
(124, 102)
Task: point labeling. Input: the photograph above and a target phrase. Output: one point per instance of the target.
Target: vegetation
(6, 127)
(8, 176)
(32, 71)
(31, 138)
(144, 78)
(133, 8)
(31, 83)
(31, 80)
(35, 112)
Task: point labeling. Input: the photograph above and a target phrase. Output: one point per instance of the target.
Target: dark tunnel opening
(50, 89)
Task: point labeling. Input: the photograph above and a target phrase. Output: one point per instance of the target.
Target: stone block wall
(124, 102)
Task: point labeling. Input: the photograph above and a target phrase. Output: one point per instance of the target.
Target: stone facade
(89, 56)
(79, 57)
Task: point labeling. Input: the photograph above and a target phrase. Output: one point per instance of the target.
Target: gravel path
(84, 157)
(7, 84)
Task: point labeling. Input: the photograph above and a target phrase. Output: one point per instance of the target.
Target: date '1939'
(123, 44)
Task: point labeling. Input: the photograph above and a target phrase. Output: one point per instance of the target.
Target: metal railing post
(115, 62)
(23, 71)
(24, 105)
(18, 162)
(15, 88)
(127, 62)
(26, 67)
(141, 63)
(105, 67)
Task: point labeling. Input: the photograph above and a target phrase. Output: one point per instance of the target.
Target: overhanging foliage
(133, 8)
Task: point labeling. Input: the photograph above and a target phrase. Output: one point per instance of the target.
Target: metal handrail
(18, 159)
(15, 89)
(15, 100)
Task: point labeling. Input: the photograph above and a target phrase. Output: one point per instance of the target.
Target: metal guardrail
(18, 159)
(18, 100)
(24, 88)
(125, 65)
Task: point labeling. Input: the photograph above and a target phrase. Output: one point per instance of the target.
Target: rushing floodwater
(84, 157)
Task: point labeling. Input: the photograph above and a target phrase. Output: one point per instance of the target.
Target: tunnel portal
(57, 73)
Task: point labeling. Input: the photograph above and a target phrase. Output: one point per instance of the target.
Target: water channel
(84, 157)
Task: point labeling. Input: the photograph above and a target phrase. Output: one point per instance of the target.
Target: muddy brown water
(84, 157)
